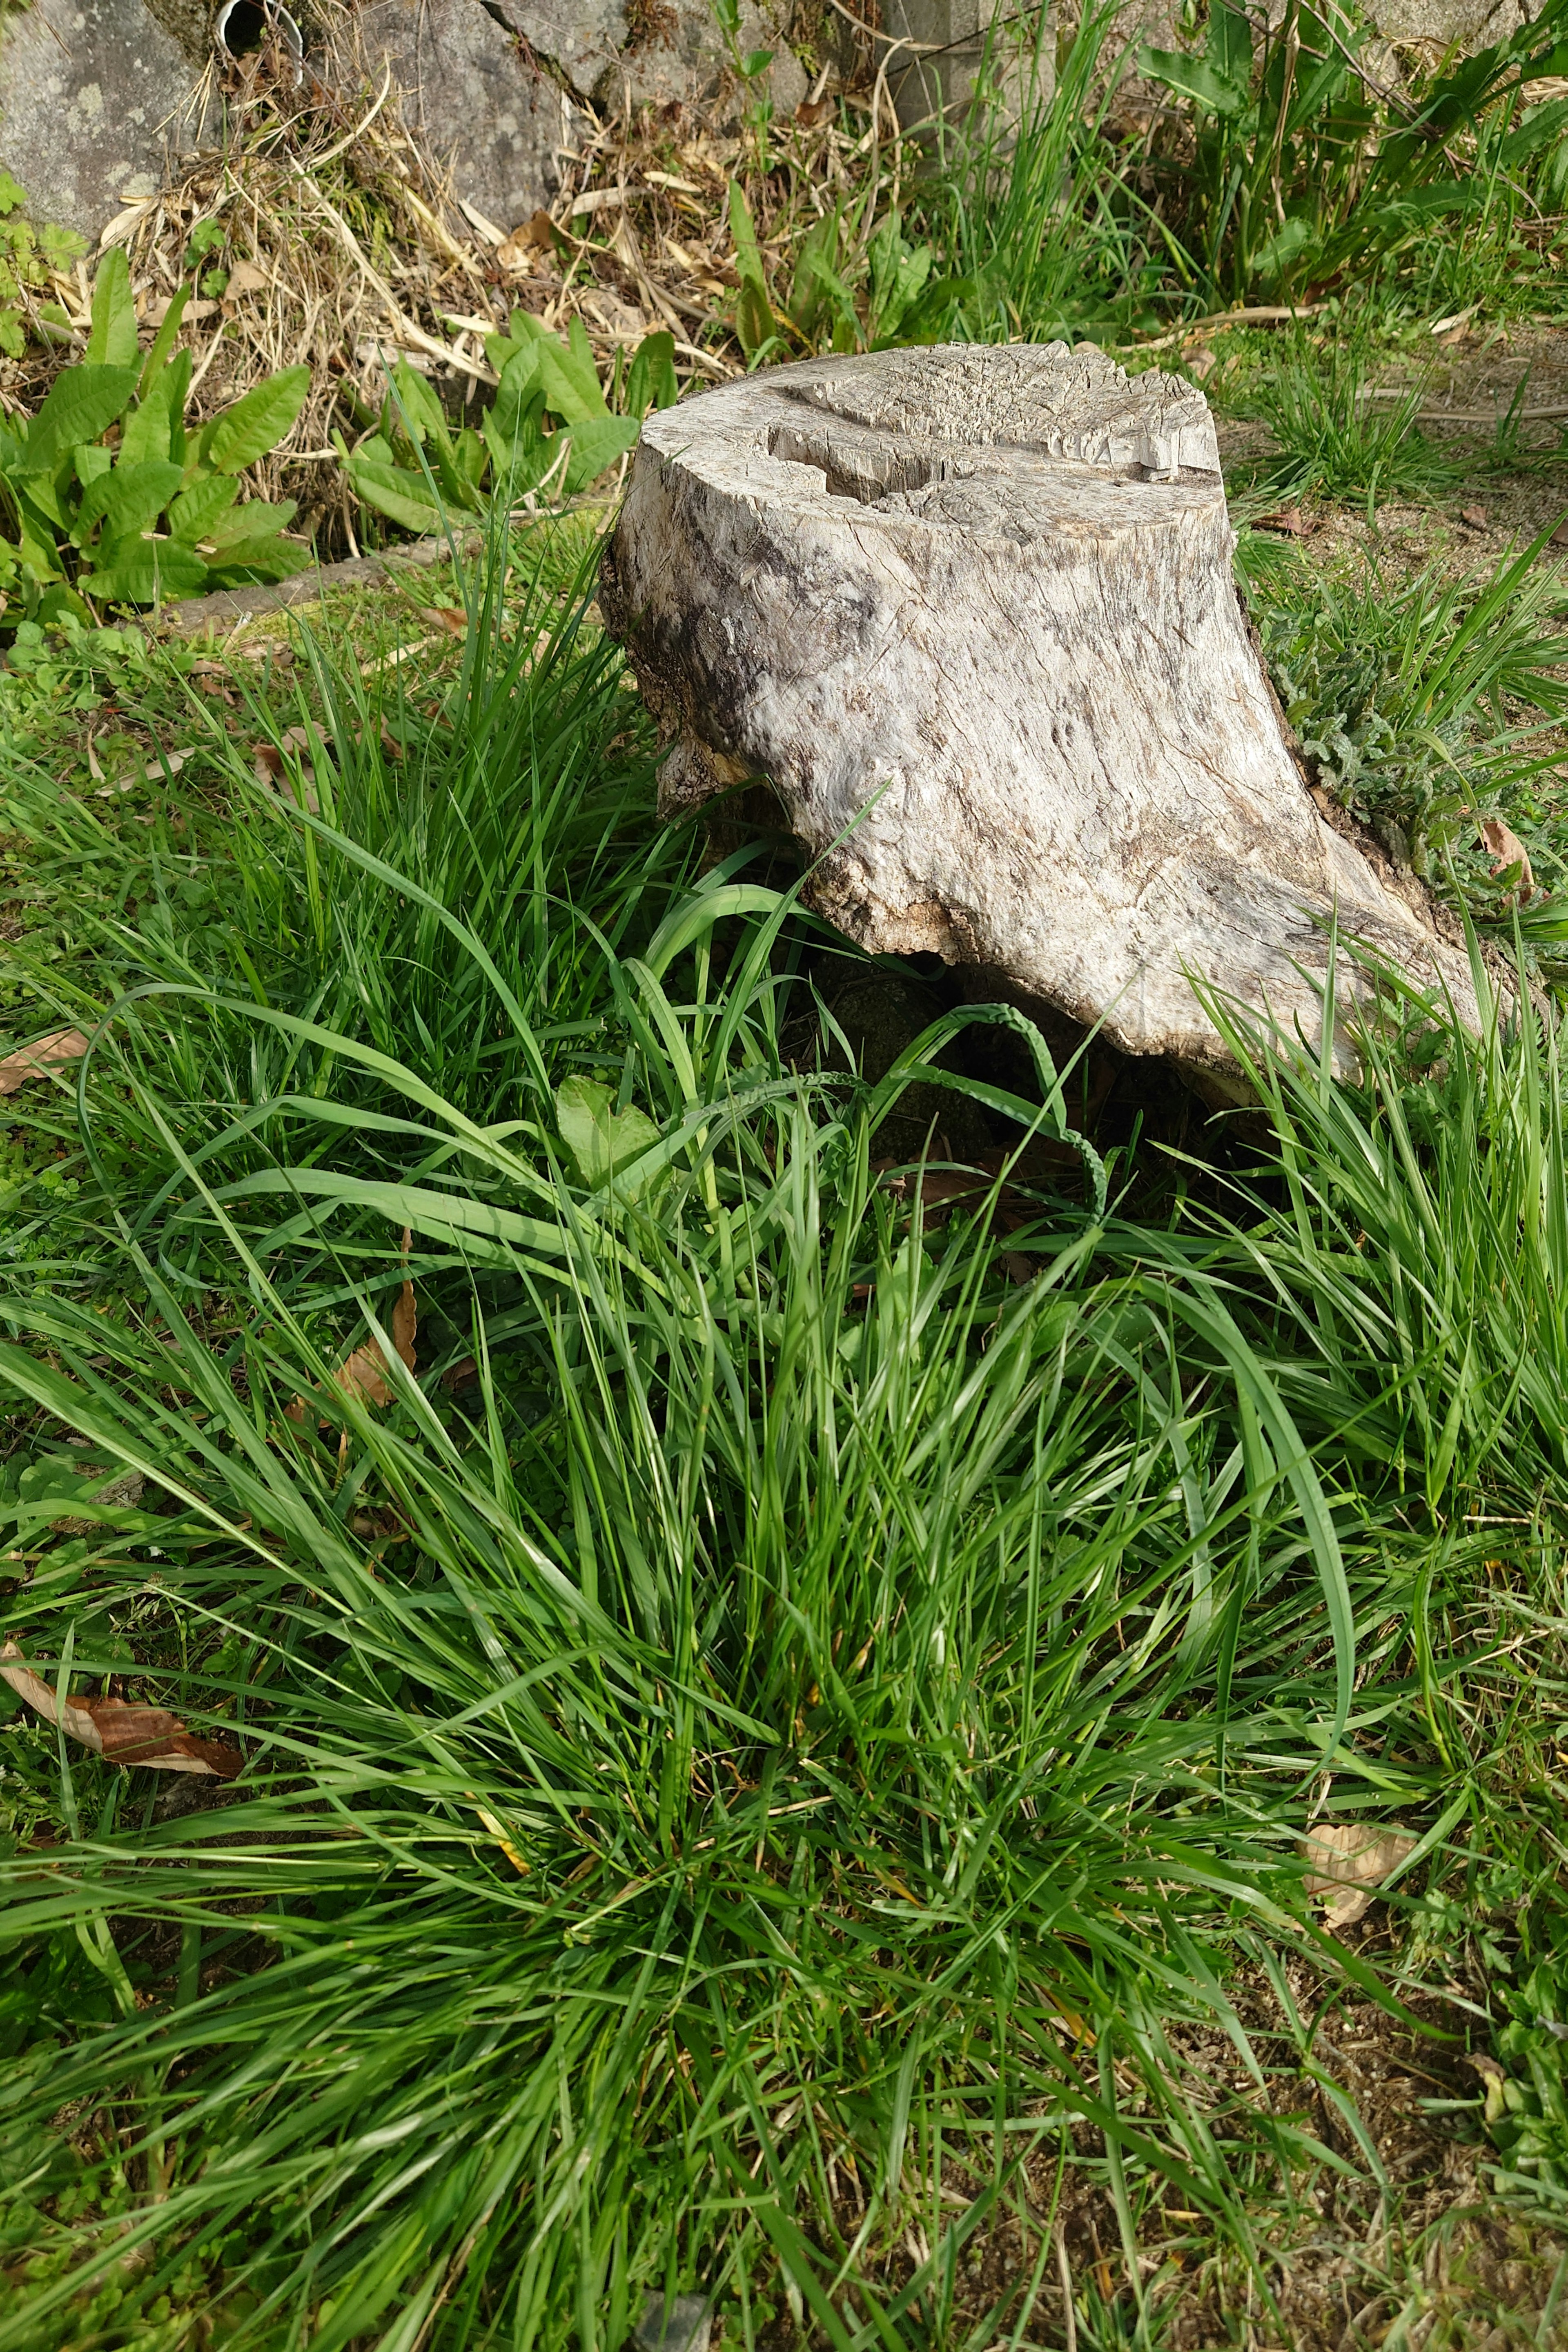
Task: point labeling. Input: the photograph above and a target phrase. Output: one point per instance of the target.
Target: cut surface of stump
(971, 612)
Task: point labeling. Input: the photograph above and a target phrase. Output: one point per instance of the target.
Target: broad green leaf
(149, 430)
(164, 342)
(257, 519)
(268, 557)
(1192, 77)
(196, 511)
(743, 235)
(37, 496)
(570, 380)
(413, 409)
(413, 406)
(1542, 127)
(1286, 246)
(1229, 45)
(754, 322)
(517, 388)
(111, 342)
(521, 452)
(81, 402)
(650, 379)
(144, 572)
(929, 311)
(469, 455)
(1425, 203)
(255, 423)
(821, 243)
(597, 445)
(90, 461)
(838, 293)
(393, 491)
(129, 500)
(600, 1139)
(37, 546)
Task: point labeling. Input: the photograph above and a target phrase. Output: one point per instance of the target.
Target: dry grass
(343, 245)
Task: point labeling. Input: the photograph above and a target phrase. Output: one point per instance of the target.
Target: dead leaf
(447, 616)
(1349, 1862)
(244, 278)
(458, 1375)
(32, 1061)
(152, 771)
(121, 1731)
(1291, 522)
(808, 114)
(534, 235)
(501, 1839)
(1507, 851)
(1560, 536)
(191, 315)
(1200, 363)
(363, 1374)
(1475, 516)
(271, 767)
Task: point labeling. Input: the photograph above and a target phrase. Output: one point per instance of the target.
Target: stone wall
(98, 97)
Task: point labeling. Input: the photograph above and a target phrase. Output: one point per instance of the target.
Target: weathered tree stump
(971, 612)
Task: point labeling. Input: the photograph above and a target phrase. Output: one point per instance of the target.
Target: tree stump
(970, 611)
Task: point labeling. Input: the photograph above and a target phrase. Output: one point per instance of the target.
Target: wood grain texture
(971, 611)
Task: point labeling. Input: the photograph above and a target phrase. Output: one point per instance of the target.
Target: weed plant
(758, 1748)
(1038, 230)
(1306, 167)
(1333, 437)
(1427, 701)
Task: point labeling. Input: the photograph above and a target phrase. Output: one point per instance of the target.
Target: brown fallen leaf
(271, 767)
(1290, 521)
(1560, 536)
(121, 1731)
(808, 114)
(534, 235)
(191, 316)
(244, 278)
(33, 1061)
(363, 1374)
(1507, 851)
(1475, 516)
(447, 616)
(460, 1375)
(1200, 362)
(1349, 1860)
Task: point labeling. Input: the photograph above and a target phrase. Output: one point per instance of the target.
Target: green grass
(900, 1655)
(1332, 436)
(1426, 699)
(775, 1765)
(1284, 167)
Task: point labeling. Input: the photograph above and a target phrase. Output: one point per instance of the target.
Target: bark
(971, 612)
